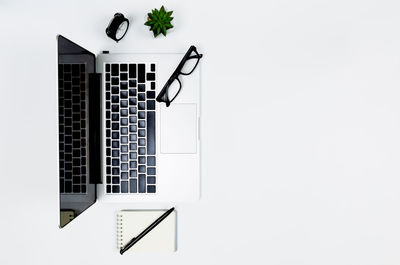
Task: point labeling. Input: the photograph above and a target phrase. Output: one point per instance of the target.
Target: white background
(300, 131)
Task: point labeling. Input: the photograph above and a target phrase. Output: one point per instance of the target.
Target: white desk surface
(300, 131)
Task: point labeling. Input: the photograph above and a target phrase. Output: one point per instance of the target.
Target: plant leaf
(164, 31)
(162, 10)
(169, 13)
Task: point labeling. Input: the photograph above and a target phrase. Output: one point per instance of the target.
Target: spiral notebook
(162, 238)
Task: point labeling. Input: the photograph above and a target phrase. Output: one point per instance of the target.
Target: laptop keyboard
(72, 117)
(130, 128)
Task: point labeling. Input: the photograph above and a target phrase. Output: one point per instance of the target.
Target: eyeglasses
(173, 86)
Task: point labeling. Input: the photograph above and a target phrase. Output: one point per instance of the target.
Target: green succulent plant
(159, 21)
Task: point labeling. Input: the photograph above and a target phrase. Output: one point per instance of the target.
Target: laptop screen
(77, 190)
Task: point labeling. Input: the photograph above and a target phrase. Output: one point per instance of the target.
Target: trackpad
(179, 129)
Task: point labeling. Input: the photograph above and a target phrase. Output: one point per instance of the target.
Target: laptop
(116, 143)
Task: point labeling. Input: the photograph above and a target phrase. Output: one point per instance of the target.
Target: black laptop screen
(76, 189)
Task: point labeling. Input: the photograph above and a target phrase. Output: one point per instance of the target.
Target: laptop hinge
(94, 128)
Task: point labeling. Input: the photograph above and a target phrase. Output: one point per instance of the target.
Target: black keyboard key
(115, 69)
(124, 139)
(124, 186)
(151, 189)
(124, 103)
(115, 117)
(76, 179)
(132, 110)
(142, 160)
(151, 76)
(151, 171)
(142, 183)
(123, 67)
(142, 106)
(142, 132)
(151, 94)
(141, 73)
(132, 92)
(142, 169)
(124, 94)
(132, 83)
(115, 99)
(142, 150)
(68, 186)
(132, 101)
(124, 148)
(108, 188)
(151, 180)
(141, 88)
(133, 185)
(114, 81)
(132, 71)
(124, 121)
(132, 119)
(132, 164)
(151, 104)
(132, 173)
(115, 125)
(115, 189)
(141, 96)
(115, 90)
(107, 67)
(124, 175)
(124, 113)
(141, 114)
(115, 153)
(124, 77)
(115, 135)
(153, 67)
(115, 171)
(68, 175)
(132, 137)
(151, 161)
(142, 142)
(153, 85)
(151, 133)
(115, 180)
(124, 85)
(114, 108)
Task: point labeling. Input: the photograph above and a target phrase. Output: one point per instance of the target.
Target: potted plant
(159, 21)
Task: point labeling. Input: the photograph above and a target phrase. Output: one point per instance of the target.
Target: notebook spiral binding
(119, 231)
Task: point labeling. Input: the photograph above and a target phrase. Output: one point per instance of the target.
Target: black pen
(144, 232)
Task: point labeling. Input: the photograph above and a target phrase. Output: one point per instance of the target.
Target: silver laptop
(116, 142)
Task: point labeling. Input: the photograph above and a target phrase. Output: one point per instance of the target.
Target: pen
(144, 232)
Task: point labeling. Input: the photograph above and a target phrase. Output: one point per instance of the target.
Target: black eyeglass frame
(163, 95)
